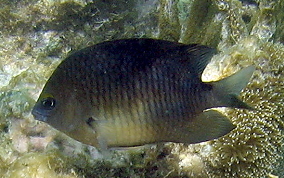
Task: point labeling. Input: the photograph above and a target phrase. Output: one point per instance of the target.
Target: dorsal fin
(198, 58)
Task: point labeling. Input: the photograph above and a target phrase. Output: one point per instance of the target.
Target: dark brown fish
(139, 91)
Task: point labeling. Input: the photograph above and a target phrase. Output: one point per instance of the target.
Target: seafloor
(37, 34)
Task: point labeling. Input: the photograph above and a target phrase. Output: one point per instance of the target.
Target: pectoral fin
(97, 126)
(208, 125)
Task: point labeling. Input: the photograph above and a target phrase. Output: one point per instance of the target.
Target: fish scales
(132, 92)
(125, 118)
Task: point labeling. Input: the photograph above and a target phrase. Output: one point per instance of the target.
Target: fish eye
(48, 103)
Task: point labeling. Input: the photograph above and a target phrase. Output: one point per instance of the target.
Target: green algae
(36, 35)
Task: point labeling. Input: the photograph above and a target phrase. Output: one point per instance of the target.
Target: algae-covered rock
(36, 35)
(42, 165)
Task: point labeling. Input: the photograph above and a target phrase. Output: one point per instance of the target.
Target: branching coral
(203, 28)
(169, 20)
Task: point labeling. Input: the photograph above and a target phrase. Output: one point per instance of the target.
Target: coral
(279, 34)
(43, 165)
(203, 28)
(253, 147)
(169, 20)
(36, 35)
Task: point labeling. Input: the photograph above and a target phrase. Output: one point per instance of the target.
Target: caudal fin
(228, 89)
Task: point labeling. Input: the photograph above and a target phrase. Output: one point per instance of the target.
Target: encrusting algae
(33, 42)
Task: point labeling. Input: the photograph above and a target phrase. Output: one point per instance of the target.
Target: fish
(132, 92)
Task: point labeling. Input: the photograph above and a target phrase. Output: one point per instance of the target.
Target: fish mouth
(38, 116)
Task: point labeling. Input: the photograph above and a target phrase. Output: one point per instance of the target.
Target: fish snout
(39, 116)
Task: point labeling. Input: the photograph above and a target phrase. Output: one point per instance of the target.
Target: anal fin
(206, 126)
